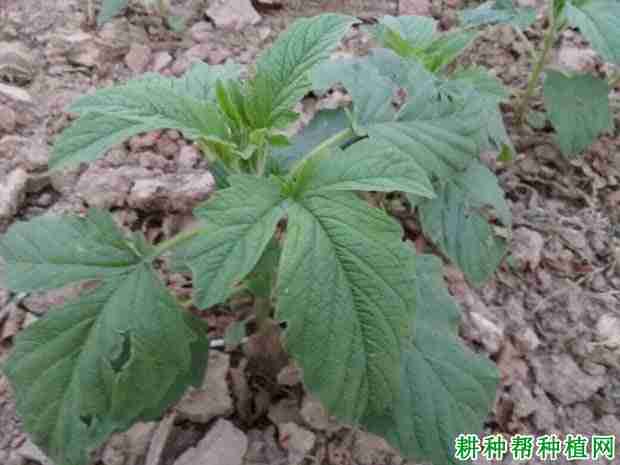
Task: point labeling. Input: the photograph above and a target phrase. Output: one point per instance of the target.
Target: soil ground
(550, 317)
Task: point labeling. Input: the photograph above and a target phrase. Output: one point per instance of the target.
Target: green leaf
(498, 12)
(282, 77)
(446, 48)
(457, 221)
(345, 290)
(325, 124)
(112, 115)
(371, 92)
(119, 354)
(599, 22)
(446, 389)
(415, 37)
(49, 252)
(367, 166)
(240, 221)
(578, 108)
(476, 83)
(441, 145)
(109, 9)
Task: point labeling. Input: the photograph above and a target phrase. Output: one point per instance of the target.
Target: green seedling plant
(577, 105)
(367, 318)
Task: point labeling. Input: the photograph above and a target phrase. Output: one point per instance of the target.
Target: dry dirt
(550, 318)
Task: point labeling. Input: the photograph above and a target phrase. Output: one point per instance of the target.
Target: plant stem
(538, 67)
(262, 311)
(174, 241)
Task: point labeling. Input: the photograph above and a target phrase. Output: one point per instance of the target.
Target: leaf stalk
(549, 39)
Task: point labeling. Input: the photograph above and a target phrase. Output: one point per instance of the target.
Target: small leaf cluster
(367, 318)
(577, 104)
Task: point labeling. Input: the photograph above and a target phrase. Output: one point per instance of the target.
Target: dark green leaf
(498, 12)
(240, 221)
(325, 124)
(367, 166)
(283, 70)
(599, 22)
(446, 390)
(371, 92)
(120, 354)
(578, 108)
(457, 221)
(345, 290)
(49, 252)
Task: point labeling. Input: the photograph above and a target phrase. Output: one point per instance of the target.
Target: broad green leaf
(498, 12)
(371, 92)
(199, 82)
(49, 252)
(367, 166)
(113, 115)
(599, 22)
(240, 221)
(446, 389)
(119, 354)
(416, 37)
(457, 221)
(325, 124)
(478, 84)
(441, 145)
(578, 108)
(390, 65)
(282, 77)
(109, 9)
(346, 291)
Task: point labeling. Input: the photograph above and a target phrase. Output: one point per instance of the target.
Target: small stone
(201, 31)
(31, 452)
(578, 59)
(552, 373)
(144, 141)
(608, 329)
(188, 157)
(527, 248)
(224, 444)
(15, 93)
(166, 146)
(297, 440)
(199, 52)
(369, 449)
(138, 57)
(161, 60)
(233, 15)
(213, 398)
(314, 414)
(159, 440)
(526, 340)
(64, 180)
(414, 7)
(486, 332)
(82, 49)
(171, 192)
(104, 187)
(290, 375)
(8, 119)
(12, 193)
